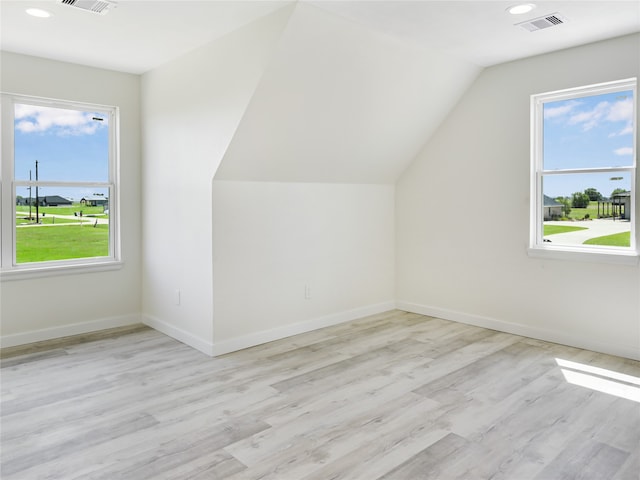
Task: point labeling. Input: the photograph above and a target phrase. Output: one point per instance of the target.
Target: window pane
(587, 209)
(61, 223)
(604, 184)
(587, 132)
(69, 145)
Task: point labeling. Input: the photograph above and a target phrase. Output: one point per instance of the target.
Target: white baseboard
(258, 338)
(563, 338)
(68, 330)
(178, 334)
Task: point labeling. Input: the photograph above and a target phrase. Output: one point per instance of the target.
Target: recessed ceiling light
(521, 8)
(38, 12)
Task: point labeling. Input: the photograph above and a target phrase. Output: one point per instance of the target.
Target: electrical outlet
(307, 292)
(178, 297)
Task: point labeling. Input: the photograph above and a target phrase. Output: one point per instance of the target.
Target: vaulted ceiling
(342, 103)
(353, 89)
(139, 35)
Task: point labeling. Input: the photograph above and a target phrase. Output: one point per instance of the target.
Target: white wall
(271, 240)
(463, 216)
(37, 309)
(191, 109)
(304, 195)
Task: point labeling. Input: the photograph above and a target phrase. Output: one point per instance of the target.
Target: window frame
(9, 269)
(590, 253)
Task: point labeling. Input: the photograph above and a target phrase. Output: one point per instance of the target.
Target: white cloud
(621, 111)
(591, 118)
(627, 130)
(562, 110)
(35, 119)
(624, 151)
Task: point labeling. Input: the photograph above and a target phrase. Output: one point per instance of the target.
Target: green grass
(40, 244)
(76, 207)
(579, 213)
(553, 229)
(616, 240)
(47, 220)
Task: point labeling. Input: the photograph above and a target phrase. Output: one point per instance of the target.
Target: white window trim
(538, 248)
(9, 270)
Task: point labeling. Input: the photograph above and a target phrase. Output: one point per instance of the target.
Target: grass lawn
(40, 244)
(579, 213)
(76, 207)
(553, 229)
(616, 240)
(47, 220)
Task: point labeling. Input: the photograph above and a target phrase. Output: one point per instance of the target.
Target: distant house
(46, 201)
(552, 209)
(621, 203)
(55, 201)
(94, 201)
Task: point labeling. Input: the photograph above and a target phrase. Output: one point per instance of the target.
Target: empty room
(319, 239)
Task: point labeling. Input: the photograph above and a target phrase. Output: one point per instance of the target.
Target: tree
(579, 200)
(566, 205)
(593, 194)
(618, 190)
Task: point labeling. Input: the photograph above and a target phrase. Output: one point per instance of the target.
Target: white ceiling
(134, 37)
(483, 33)
(140, 35)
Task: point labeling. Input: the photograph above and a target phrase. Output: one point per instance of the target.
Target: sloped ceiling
(483, 31)
(139, 35)
(342, 103)
(354, 88)
(135, 36)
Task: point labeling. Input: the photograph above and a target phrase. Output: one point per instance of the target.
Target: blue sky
(588, 132)
(70, 145)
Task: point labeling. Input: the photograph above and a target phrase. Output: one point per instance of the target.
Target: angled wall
(341, 103)
(191, 108)
(303, 202)
(366, 116)
(463, 216)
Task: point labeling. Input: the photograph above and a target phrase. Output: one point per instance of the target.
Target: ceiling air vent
(96, 6)
(543, 22)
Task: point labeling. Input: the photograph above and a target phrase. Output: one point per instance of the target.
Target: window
(583, 181)
(58, 185)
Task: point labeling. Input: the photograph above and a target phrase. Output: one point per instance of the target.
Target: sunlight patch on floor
(600, 379)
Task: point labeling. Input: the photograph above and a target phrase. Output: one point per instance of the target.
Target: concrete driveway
(598, 227)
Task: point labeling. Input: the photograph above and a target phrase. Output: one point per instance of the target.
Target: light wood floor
(393, 396)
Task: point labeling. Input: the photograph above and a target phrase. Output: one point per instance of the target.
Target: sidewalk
(77, 220)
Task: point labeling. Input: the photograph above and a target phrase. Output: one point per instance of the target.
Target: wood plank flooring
(393, 396)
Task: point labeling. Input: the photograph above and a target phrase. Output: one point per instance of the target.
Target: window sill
(26, 273)
(615, 257)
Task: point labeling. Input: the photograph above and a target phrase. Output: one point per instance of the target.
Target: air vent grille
(96, 6)
(543, 22)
